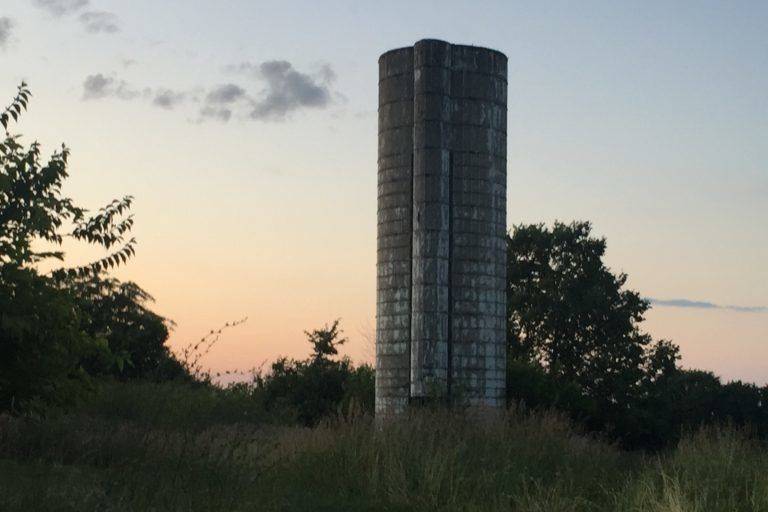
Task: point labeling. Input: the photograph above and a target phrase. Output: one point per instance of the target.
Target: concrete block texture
(441, 302)
(394, 239)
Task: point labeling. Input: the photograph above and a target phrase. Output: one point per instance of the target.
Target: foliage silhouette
(44, 336)
(574, 337)
(119, 313)
(42, 343)
(318, 387)
(575, 345)
(193, 353)
(569, 314)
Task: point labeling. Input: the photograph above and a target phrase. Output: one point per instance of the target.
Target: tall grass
(160, 447)
(714, 470)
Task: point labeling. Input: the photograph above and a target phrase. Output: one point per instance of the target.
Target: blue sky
(648, 118)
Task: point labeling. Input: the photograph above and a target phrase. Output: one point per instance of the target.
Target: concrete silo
(441, 261)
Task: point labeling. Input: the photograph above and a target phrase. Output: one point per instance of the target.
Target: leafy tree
(570, 314)
(136, 336)
(536, 388)
(744, 404)
(319, 386)
(42, 342)
(575, 344)
(42, 337)
(32, 207)
(571, 318)
(325, 342)
(689, 399)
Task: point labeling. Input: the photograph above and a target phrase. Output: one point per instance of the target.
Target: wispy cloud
(97, 22)
(287, 90)
(6, 27)
(61, 7)
(694, 304)
(220, 101)
(93, 21)
(168, 98)
(99, 86)
(225, 94)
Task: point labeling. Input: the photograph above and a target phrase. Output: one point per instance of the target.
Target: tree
(42, 342)
(571, 315)
(325, 341)
(32, 207)
(572, 318)
(575, 344)
(319, 386)
(136, 335)
(689, 399)
(42, 337)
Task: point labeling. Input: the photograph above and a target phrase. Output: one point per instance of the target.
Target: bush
(42, 342)
(176, 404)
(318, 387)
(136, 336)
(531, 387)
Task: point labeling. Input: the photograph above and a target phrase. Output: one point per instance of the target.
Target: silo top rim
(395, 50)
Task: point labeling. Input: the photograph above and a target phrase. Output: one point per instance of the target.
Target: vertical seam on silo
(409, 344)
(411, 228)
(449, 333)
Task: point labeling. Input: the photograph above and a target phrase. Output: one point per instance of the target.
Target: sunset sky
(247, 132)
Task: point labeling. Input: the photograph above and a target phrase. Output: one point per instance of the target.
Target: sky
(247, 132)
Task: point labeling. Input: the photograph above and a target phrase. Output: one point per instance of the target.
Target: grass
(169, 447)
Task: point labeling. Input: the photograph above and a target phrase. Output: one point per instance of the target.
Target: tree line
(574, 336)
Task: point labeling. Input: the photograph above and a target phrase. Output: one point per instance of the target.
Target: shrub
(319, 386)
(42, 342)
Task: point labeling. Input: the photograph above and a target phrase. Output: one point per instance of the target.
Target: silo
(441, 301)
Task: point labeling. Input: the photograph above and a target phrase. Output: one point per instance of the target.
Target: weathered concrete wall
(393, 305)
(431, 218)
(442, 226)
(478, 253)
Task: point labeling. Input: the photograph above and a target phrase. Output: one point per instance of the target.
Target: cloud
(289, 90)
(61, 7)
(285, 91)
(225, 94)
(693, 304)
(6, 26)
(223, 114)
(99, 86)
(327, 74)
(97, 22)
(220, 101)
(94, 21)
(96, 86)
(168, 99)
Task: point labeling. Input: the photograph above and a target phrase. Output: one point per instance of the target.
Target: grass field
(169, 447)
